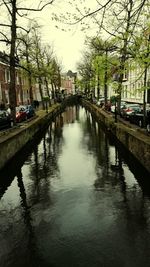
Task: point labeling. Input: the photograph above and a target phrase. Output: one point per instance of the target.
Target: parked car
(21, 114)
(5, 119)
(121, 106)
(30, 111)
(100, 102)
(94, 100)
(138, 118)
(128, 109)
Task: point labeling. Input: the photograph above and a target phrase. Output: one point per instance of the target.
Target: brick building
(5, 81)
(68, 82)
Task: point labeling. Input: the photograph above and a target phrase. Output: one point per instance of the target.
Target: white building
(133, 84)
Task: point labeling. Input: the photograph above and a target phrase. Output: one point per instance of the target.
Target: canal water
(74, 200)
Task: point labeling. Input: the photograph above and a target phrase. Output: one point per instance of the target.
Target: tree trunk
(98, 86)
(106, 79)
(144, 95)
(119, 90)
(29, 76)
(21, 91)
(47, 90)
(30, 88)
(12, 86)
(124, 53)
(53, 91)
(41, 92)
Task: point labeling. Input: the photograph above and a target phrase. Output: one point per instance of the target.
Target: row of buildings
(133, 84)
(22, 86)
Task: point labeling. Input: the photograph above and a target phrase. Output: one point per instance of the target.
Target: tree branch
(7, 7)
(24, 68)
(5, 25)
(7, 40)
(19, 27)
(91, 13)
(38, 9)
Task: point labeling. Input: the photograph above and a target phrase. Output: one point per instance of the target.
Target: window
(7, 75)
(17, 78)
(125, 91)
(125, 76)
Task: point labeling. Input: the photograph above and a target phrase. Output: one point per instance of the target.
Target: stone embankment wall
(133, 140)
(13, 140)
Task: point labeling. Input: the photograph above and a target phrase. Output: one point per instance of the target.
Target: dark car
(128, 109)
(29, 111)
(21, 114)
(138, 119)
(5, 119)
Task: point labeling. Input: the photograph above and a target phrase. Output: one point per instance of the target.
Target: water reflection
(75, 200)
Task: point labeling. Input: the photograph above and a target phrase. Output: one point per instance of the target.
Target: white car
(113, 106)
(100, 102)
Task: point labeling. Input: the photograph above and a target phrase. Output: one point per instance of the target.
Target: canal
(74, 199)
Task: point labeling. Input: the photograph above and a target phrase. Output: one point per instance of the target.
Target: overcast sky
(67, 44)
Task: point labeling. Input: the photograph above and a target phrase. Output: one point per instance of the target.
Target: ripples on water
(73, 200)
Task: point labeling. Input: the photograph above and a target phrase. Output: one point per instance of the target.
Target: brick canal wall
(134, 141)
(13, 140)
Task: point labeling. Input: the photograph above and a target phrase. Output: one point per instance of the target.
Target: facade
(4, 77)
(22, 85)
(133, 84)
(5, 81)
(68, 82)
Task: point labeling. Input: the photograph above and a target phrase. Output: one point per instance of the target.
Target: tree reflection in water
(55, 210)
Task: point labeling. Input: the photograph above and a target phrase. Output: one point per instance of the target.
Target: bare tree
(103, 49)
(14, 10)
(124, 18)
(86, 71)
(24, 48)
(117, 19)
